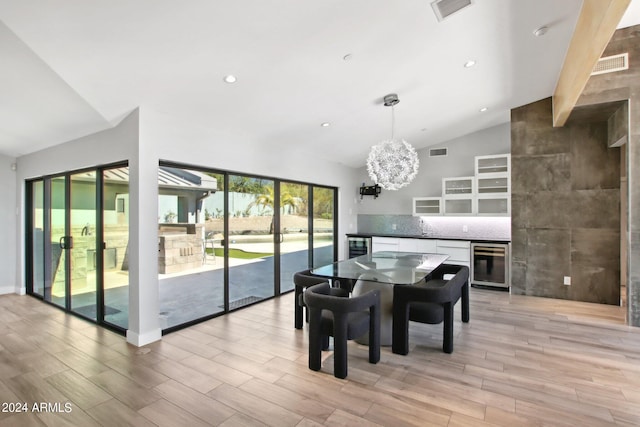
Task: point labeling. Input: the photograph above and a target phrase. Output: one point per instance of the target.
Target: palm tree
(267, 200)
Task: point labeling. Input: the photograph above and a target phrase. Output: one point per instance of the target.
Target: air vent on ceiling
(436, 152)
(609, 64)
(445, 8)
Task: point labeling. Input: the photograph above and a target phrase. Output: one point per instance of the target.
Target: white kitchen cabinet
(404, 244)
(380, 244)
(417, 245)
(426, 246)
(493, 205)
(408, 245)
(427, 206)
(489, 165)
(457, 187)
(458, 206)
(487, 192)
(459, 251)
(458, 195)
(493, 185)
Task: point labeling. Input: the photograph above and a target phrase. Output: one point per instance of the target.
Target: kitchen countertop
(431, 236)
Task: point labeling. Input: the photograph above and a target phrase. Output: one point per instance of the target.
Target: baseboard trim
(4, 290)
(143, 339)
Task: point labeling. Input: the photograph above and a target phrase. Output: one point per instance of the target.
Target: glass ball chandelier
(392, 163)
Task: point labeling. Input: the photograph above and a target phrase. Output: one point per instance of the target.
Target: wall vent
(437, 152)
(445, 8)
(610, 64)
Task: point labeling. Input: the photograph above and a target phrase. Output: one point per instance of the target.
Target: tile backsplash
(456, 227)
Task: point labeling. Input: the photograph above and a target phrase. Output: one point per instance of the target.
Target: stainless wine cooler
(358, 245)
(490, 265)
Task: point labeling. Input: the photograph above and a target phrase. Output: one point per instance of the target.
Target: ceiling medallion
(392, 163)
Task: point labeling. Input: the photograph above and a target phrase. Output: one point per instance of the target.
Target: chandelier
(393, 163)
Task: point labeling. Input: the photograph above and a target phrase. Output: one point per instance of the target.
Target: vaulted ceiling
(73, 67)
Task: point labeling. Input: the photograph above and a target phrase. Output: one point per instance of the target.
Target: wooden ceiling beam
(596, 24)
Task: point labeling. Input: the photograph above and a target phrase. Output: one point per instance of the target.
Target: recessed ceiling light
(483, 109)
(540, 31)
(325, 124)
(230, 78)
(470, 63)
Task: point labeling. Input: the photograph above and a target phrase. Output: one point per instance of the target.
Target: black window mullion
(310, 228)
(226, 239)
(67, 240)
(277, 236)
(100, 246)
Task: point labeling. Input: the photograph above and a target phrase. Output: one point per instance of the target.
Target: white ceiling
(73, 67)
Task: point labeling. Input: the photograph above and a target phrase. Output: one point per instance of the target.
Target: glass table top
(400, 268)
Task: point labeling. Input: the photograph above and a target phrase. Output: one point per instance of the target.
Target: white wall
(104, 147)
(458, 162)
(9, 221)
(180, 141)
(143, 138)
(164, 137)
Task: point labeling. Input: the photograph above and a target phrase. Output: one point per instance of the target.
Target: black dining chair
(301, 281)
(343, 318)
(431, 301)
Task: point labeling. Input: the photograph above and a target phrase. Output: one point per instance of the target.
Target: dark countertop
(433, 236)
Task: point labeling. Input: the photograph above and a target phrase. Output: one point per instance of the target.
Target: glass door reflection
(294, 232)
(82, 244)
(37, 237)
(251, 239)
(115, 238)
(58, 242)
(323, 225)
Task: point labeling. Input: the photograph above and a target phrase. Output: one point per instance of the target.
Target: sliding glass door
(324, 214)
(81, 245)
(67, 254)
(228, 240)
(251, 239)
(293, 231)
(36, 254)
(56, 277)
(114, 263)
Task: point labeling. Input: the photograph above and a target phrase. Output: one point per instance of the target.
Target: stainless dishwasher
(490, 265)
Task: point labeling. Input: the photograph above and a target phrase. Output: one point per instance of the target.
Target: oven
(490, 265)
(358, 245)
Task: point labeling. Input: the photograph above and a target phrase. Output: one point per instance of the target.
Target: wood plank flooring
(521, 361)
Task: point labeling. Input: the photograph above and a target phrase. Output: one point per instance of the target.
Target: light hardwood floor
(521, 361)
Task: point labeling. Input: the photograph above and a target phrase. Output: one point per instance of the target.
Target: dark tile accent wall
(619, 125)
(565, 207)
(615, 87)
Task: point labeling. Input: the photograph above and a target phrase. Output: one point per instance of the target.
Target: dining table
(397, 268)
(382, 271)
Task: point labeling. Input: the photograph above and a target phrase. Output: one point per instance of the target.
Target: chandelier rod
(393, 121)
(390, 101)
